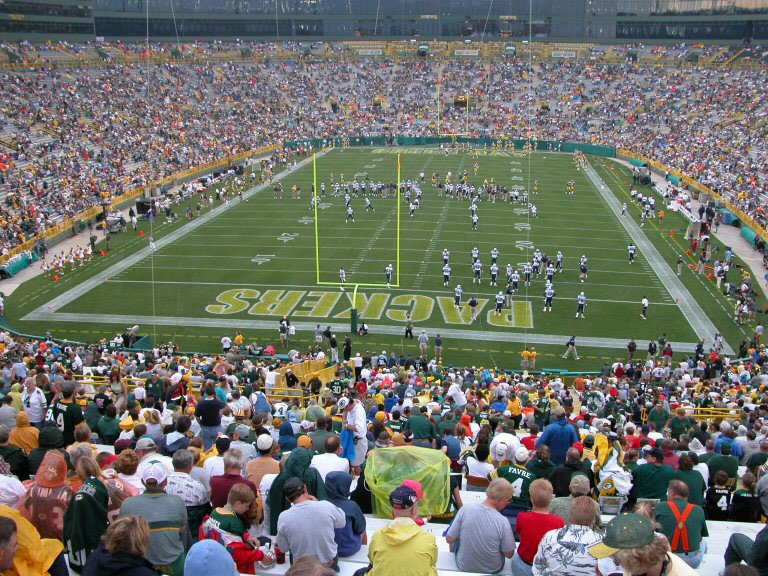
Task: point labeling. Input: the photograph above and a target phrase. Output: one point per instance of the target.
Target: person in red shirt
(530, 441)
(531, 526)
(632, 440)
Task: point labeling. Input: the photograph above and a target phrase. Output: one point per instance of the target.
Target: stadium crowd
(74, 137)
(139, 463)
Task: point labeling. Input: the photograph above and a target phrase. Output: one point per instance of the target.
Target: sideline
(693, 313)
(47, 311)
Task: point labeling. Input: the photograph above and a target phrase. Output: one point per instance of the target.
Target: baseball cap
(403, 498)
(416, 487)
(522, 454)
(304, 442)
(154, 472)
(507, 413)
(145, 444)
(242, 431)
(501, 451)
(264, 442)
(291, 416)
(624, 532)
(579, 484)
(306, 425)
(343, 403)
(209, 557)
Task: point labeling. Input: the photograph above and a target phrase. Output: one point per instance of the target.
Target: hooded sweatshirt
(287, 440)
(296, 466)
(50, 438)
(559, 435)
(102, 562)
(24, 436)
(402, 548)
(349, 538)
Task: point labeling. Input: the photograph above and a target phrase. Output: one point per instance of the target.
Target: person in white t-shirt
(456, 394)
(34, 403)
(331, 461)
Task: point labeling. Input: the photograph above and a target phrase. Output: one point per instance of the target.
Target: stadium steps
(716, 55)
(733, 58)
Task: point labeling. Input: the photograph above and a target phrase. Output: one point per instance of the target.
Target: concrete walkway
(729, 236)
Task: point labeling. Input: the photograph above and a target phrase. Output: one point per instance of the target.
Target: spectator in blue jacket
(559, 435)
(350, 538)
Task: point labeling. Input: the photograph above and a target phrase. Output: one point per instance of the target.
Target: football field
(243, 266)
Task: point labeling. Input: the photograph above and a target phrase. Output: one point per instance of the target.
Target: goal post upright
(397, 254)
(317, 236)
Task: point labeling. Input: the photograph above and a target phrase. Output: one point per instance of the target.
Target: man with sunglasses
(34, 403)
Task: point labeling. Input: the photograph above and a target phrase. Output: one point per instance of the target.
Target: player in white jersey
(581, 301)
(368, 205)
(342, 277)
(477, 268)
(515, 280)
(583, 270)
(347, 199)
(475, 254)
(549, 294)
(499, 302)
(475, 221)
(350, 215)
(446, 274)
(494, 255)
(494, 273)
(412, 207)
(534, 213)
(457, 294)
(623, 209)
(644, 304)
(527, 270)
(631, 252)
(509, 272)
(151, 244)
(446, 256)
(550, 273)
(388, 272)
(559, 262)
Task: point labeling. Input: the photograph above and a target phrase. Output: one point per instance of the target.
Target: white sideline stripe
(445, 293)
(88, 285)
(261, 268)
(512, 337)
(693, 313)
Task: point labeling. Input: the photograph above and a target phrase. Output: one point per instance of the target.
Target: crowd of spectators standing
(74, 137)
(169, 458)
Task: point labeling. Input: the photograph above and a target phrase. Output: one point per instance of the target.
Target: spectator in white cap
(503, 447)
(264, 463)
(147, 451)
(167, 518)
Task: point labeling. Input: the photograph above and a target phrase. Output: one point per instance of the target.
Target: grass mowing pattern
(257, 261)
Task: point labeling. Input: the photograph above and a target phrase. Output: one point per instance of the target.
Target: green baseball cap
(623, 532)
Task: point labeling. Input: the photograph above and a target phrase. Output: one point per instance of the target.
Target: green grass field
(243, 267)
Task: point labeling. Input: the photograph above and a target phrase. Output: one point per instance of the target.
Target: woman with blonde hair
(122, 550)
